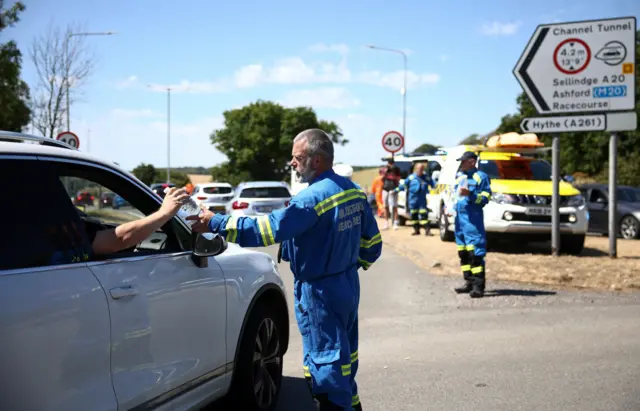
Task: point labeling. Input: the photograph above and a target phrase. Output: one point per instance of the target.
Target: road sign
(584, 66)
(595, 122)
(392, 141)
(69, 138)
(588, 122)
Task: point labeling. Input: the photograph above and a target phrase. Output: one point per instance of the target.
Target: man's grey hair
(319, 143)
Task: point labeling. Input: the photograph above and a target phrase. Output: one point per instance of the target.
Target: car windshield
(265, 192)
(405, 168)
(516, 169)
(216, 190)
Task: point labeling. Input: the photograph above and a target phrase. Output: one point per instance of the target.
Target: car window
(216, 190)
(44, 232)
(406, 168)
(516, 169)
(130, 203)
(597, 195)
(265, 192)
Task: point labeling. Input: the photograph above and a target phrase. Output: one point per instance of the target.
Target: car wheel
(572, 244)
(445, 234)
(629, 228)
(258, 375)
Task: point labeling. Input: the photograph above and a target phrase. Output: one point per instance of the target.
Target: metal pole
(404, 106)
(66, 77)
(613, 195)
(404, 91)
(168, 135)
(555, 198)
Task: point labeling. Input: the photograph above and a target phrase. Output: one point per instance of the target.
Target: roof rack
(45, 141)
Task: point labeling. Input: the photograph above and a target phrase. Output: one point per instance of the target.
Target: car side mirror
(207, 245)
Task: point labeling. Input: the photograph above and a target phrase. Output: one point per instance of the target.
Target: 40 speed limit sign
(392, 141)
(69, 138)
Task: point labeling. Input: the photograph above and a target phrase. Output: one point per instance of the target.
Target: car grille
(538, 200)
(564, 218)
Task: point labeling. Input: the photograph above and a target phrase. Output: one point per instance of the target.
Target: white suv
(173, 323)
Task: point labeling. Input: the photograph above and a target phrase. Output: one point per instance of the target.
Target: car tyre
(258, 374)
(445, 234)
(572, 244)
(629, 227)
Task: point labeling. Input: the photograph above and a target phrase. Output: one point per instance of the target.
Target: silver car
(214, 196)
(259, 198)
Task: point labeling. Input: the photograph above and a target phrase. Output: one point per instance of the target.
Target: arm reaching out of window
(129, 234)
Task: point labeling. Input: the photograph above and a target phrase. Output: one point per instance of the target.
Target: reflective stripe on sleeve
(364, 243)
(337, 199)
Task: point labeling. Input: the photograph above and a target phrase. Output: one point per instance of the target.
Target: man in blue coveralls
(473, 189)
(327, 232)
(417, 186)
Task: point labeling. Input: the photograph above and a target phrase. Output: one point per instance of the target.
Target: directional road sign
(392, 141)
(588, 122)
(69, 138)
(584, 66)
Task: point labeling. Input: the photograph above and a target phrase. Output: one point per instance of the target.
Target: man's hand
(173, 200)
(463, 191)
(201, 221)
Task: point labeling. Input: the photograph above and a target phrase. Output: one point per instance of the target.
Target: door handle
(121, 292)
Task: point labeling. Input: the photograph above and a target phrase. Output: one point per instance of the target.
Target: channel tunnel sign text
(585, 66)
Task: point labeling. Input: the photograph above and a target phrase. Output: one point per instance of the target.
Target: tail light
(286, 204)
(201, 198)
(91, 198)
(239, 205)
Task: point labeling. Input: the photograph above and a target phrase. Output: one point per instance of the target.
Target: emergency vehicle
(344, 170)
(520, 206)
(433, 165)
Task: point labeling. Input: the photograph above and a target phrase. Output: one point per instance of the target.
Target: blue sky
(222, 55)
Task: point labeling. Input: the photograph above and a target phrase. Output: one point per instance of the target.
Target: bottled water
(189, 207)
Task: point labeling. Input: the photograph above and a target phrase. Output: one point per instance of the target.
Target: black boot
(416, 230)
(477, 279)
(357, 407)
(466, 288)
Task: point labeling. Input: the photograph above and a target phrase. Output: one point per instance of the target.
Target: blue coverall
(417, 189)
(469, 225)
(327, 232)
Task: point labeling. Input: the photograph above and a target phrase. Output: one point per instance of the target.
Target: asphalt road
(422, 347)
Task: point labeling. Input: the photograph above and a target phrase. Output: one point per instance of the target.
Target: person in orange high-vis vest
(376, 188)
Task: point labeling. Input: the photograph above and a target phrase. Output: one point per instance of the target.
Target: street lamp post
(67, 65)
(404, 91)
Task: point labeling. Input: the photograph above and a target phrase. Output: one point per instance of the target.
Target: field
(364, 178)
(593, 269)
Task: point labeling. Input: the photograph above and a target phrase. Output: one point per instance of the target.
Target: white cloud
(195, 87)
(342, 49)
(330, 97)
(444, 58)
(396, 79)
(128, 82)
(133, 113)
(295, 71)
(497, 28)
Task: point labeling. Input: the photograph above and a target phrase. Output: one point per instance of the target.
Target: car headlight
(576, 201)
(501, 198)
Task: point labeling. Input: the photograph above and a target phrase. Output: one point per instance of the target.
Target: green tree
(426, 148)
(15, 113)
(257, 140)
(474, 138)
(178, 178)
(146, 173)
(586, 152)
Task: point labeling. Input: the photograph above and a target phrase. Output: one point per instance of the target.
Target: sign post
(584, 68)
(392, 141)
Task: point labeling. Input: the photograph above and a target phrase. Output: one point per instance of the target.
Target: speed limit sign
(392, 141)
(69, 138)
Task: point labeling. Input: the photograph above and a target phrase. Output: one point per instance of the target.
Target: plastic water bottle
(189, 207)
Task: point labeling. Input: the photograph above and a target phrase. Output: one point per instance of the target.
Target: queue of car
(174, 323)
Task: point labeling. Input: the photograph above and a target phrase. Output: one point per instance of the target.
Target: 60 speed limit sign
(392, 141)
(69, 138)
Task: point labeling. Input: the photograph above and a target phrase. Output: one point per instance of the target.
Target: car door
(54, 318)
(168, 316)
(598, 210)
